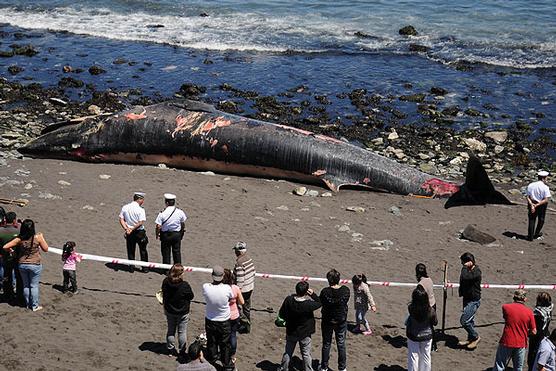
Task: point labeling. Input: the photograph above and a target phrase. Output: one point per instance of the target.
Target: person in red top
(519, 323)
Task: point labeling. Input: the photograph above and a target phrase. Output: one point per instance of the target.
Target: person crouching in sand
(70, 258)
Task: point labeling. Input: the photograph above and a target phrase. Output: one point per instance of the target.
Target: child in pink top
(70, 258)
(363, 301)
(229, 279)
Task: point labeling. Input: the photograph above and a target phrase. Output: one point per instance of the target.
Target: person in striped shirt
(245, 274)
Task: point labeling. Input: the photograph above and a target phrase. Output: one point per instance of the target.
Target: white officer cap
(139, 194)
(543, 173)
(169, 196)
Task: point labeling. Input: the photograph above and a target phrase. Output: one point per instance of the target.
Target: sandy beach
(115, 322)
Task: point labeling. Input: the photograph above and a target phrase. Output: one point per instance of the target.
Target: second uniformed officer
(170, 227)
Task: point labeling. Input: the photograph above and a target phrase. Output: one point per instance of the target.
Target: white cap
(139, 194)
(169, 196)
(543, 173)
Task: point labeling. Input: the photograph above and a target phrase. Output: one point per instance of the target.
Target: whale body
(193, 135)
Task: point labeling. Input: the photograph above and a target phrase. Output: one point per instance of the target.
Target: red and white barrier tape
(296, 278)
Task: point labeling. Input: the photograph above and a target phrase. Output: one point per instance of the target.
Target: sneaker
(463, 343)
(36, 309)
(473, 344)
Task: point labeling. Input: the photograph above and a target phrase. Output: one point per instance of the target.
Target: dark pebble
(418, 48)
(14, 70)
(408, 31)
(436, 90)
(96, 70)
(413, 98)
(70, 82)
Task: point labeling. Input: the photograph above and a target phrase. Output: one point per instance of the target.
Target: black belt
(169, 232)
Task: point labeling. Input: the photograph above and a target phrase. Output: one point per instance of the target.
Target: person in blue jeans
(470, 291)
(334, 300)
(28, 245)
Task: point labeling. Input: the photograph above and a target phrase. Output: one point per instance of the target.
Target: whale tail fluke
(477, 189)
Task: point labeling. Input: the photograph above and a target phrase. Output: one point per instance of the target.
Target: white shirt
(172, 222)
(132, 214)
(538, 191)
(217, 298)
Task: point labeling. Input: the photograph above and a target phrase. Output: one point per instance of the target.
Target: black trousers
(170, 242)
(10, 265)
(219, 338)
(137, 237)
(70, 277)
(539, 214)
(246, 307)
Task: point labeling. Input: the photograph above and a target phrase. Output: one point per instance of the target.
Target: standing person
(518, 324)
(245, 275)
(424, 280)
(70, 257)
(546, 356)
(334, 300)
(217, 319)
(132, 220)
(419, 325)
(538, 194)
(363, 301)
(470, 290)
(298, 312)
(170, 228)
(177, 296)
(542, 314)
(28, 245)
(229, 279)
(11, 277)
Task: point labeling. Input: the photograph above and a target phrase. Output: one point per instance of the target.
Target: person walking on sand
(363, 301)
(538, 194)
(546, 356)
(334, 300)
(518, 324)
(244, 271)
(28, 245)
(132, 219)
(419, 331)
(470, 290)
(176, 297)
(543, 314)
(170, 228)
(424, 280)
(217, 319)
(298, 312)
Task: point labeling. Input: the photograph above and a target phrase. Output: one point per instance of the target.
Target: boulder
(438, 90)
(408, 30)
(497, 136)
(471, 233)
(475, 145)
(418, 48)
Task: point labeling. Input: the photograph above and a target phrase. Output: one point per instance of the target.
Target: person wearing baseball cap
(519, 322)
(132, 219)
(217, 319)
(245, 274)
(538, 194)
(170, 228)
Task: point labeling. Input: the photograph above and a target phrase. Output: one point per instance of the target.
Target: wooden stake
(445, 296)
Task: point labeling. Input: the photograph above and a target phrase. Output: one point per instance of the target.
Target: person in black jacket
(334, 299)
(419, 331)
(470, 291)
(177, 296)
(297, 310)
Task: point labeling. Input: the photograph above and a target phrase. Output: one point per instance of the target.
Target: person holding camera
(298, 312)
(170, 228)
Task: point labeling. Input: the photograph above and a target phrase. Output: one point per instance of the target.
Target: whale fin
(477, 189)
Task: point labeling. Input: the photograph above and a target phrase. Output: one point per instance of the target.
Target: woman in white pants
(419, 325)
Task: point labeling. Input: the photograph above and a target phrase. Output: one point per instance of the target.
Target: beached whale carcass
(194, 135)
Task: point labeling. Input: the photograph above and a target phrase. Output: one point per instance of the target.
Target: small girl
(363, 300)
(70, 257)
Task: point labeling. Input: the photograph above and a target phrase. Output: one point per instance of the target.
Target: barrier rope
(296, 278)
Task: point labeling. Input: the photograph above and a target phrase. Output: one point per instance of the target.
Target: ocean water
(275, 46)
(517, 33)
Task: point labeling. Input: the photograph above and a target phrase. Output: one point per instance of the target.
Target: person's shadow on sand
(295, 362)
(396, 341)
(155, 347)
(515, 235)
(383, 367)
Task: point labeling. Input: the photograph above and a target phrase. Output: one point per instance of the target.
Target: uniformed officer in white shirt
(538, 194)
(170, 227)
(132, 219)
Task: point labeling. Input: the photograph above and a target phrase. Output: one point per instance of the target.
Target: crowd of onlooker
(228, 306)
